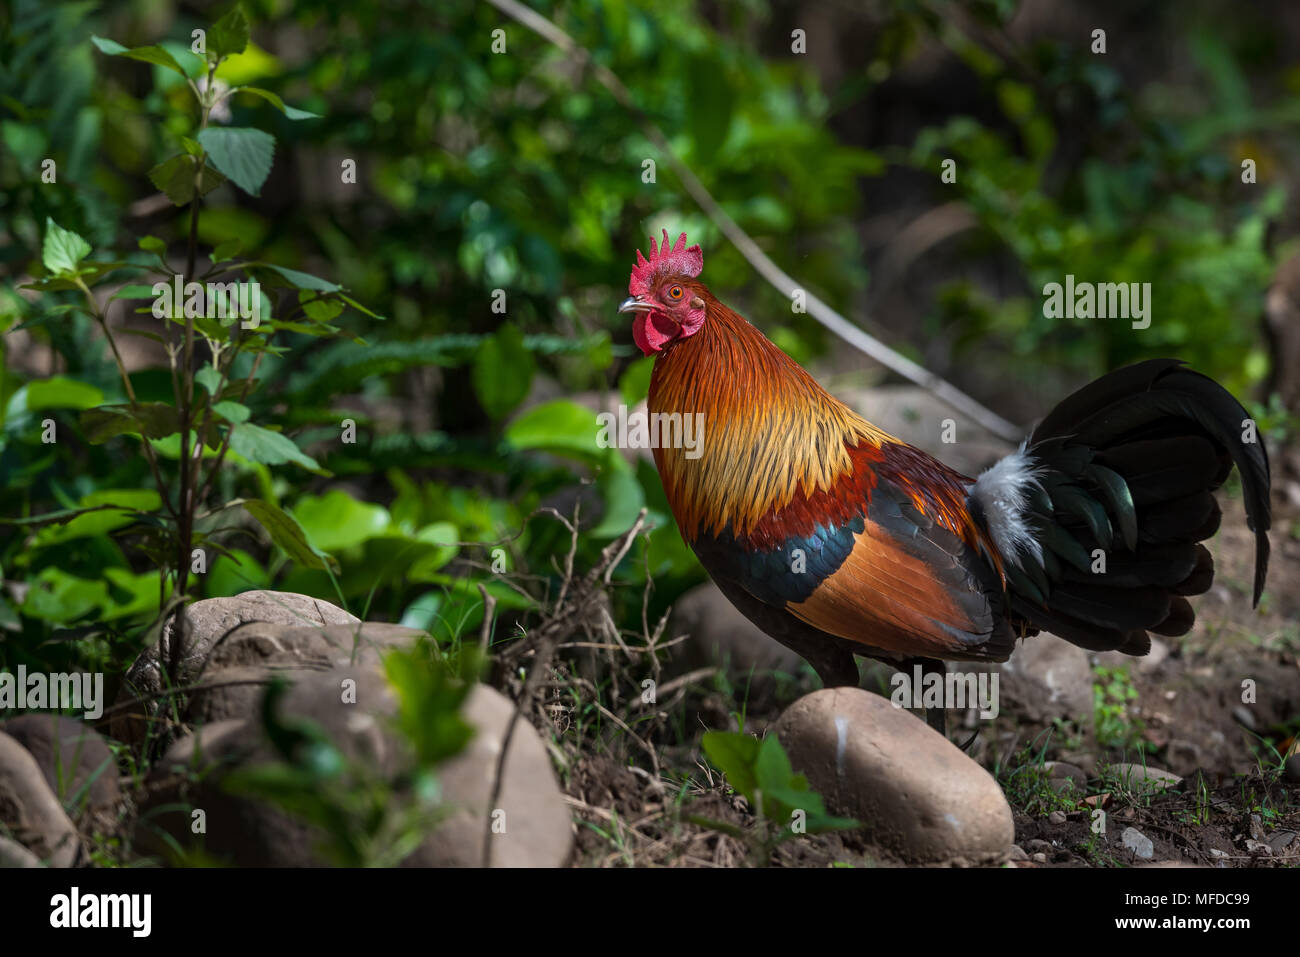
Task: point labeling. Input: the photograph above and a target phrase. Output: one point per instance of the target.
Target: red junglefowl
(838, 539)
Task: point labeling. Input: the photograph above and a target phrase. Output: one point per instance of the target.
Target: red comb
(678, 260)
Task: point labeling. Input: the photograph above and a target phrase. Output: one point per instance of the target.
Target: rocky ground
(1186, 757)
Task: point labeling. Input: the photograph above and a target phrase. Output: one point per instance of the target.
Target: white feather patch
(1003, 496)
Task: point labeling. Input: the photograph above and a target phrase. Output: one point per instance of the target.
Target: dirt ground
(1235, 805)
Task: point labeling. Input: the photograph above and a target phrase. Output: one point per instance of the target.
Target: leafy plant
(780, 799)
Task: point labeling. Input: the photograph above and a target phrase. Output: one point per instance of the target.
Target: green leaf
(503, 371)
(709, 106)
(114, 509)
(622, 496)
(734, 753)
(175, 177)
(209, 378)
(63, 248)
(134, 291)
(152, 54)
(57, 392)
(232, 412)
(229, 35)
(279, 104)
(559, 426)
(322, 310)
(336, 520)
(153, 419)
(152, 244)
(305, 280)
(634, 385)
(288, 534)
(240, 153)
(270, 448)
(226, 251)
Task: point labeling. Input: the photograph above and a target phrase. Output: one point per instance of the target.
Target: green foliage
(1112, 693)
(781, 799)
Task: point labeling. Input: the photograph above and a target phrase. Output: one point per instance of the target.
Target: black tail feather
(1128, 465)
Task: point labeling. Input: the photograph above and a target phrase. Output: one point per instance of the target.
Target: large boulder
(917, 795)
(248, 832)
(238, 668)
(207, 622)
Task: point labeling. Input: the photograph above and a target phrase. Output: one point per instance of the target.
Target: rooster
(838, 539)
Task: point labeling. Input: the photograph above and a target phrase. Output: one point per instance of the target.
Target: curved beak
(636, 304)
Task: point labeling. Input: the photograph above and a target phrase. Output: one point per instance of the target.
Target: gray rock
(247, 832)
(1135, 777)
(76, 762)
(538, 830)
(916, 794)
(29, 811)
(1056, 817)
(1138, 843)
(1017, 853)
(721, 635)
(14, 855)
(1048, 678)
(248, 657)
(1291, 770)
(1281, 840)
(1063, 777)
(208, 621)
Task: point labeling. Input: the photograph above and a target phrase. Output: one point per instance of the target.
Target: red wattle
(652, 331)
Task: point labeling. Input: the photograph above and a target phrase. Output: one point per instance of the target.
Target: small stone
(1136, 777)
(1281, 840)
(1256, 827)
(1063, 777)
(76, 763)
(1039, 858)
(1056, 817)
(915, 792)
(29, 811)
(1138, 843)
(1244, 716)
(1039, 845)
(1258, 848)
(14, 855)
(1017, 853)
(1216, 853)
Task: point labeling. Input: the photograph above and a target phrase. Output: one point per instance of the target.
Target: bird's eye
(675, 293)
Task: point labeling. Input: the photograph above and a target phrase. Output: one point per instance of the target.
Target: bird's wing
(895, 573)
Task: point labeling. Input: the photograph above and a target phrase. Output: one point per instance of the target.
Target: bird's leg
(934, 717)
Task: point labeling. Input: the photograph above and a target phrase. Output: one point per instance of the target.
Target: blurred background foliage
(479, 171)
